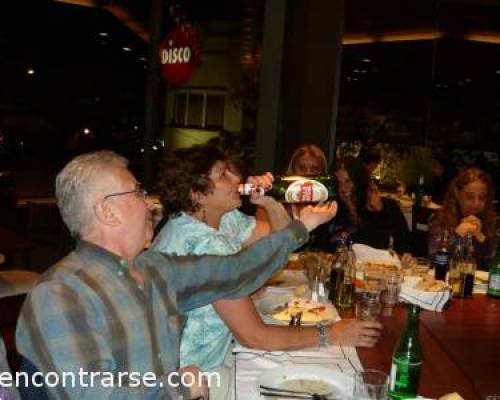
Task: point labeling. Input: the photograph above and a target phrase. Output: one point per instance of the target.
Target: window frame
(196, 91)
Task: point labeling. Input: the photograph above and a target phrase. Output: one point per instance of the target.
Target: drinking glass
(315, 275)
(370, 384)
(390, 295)
(392, 288)
(422, 266)
(368, 307)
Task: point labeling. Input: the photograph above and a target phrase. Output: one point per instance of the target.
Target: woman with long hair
(307, 160)
(200, 194)
(468, 207)
(366, 216)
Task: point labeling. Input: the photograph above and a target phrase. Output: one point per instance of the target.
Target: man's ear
(106, 214)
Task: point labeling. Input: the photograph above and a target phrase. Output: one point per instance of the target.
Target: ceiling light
(30, 71)
(104, 34)
(366, 60)
(86, 131)
(125, 48)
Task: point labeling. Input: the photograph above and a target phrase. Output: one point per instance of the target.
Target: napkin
(432, 301)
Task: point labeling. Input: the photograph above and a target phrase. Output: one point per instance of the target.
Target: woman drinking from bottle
(200, 194)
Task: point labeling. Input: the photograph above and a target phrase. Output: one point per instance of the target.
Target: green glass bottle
(298, 189)
(407, 360)
(494, 278)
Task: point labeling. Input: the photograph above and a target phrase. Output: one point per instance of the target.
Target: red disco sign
(179, 55)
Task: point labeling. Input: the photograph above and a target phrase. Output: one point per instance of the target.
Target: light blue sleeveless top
(205, 339)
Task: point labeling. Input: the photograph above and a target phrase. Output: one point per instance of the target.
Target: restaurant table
(460, 345)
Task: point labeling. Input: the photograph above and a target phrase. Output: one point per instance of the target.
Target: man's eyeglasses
(139, 192)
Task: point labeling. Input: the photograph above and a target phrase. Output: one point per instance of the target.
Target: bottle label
(441, 258)
(306, 191)
(494, 281)
(404, 376)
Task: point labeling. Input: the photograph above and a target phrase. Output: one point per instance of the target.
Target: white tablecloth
(249, 365)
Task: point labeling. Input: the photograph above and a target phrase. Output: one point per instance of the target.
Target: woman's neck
(210, 218)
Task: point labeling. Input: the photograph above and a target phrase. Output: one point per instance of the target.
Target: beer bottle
(442, 257)
(468, 268)
(420, 192)
(494, 278)
(455, 267)
(407, 360)
(345, 287)
(297, 189)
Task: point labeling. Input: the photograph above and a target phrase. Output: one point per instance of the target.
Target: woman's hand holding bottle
(473, 225)
(313, 216)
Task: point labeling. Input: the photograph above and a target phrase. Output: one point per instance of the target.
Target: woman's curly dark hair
(185, 172)
(450, 214)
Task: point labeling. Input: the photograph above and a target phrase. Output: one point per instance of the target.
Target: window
(202, 109)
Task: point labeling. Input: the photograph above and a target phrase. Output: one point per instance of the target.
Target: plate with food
(309, 311)
(425, 283)
(287, 279)
(306, 378)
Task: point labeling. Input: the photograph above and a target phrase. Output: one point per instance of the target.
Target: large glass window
(199, 109)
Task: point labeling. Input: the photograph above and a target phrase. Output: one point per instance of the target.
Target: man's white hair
(76, 186)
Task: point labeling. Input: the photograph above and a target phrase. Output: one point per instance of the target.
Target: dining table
(461, 347)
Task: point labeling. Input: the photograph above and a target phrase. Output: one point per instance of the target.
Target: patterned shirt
(206, 339)
(88, 314)
(7, 392)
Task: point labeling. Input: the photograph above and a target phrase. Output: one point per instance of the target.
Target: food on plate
(287, 279)
(299, 261)
(429, 284)
(294, 264)
(451, 396)
(311, 311)
(370, 273)
(306, 385)
(300, 290)
(374, 268)
(277, 279)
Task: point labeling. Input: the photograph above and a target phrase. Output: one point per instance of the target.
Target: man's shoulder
(66, 267)
(70, 272)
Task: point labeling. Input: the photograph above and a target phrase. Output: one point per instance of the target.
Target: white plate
(267, 304)
(333, 381)
(287, 279)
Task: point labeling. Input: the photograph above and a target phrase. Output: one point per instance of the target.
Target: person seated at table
(200, 194)
(366, 216)
(468, 207)
(442, 172)
(6, 392)
(109, 309)
(306, 160)
(371, 155)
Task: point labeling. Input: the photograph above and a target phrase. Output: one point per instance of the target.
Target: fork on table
(295, 320)
(293, 394)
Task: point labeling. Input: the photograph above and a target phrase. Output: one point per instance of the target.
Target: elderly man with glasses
(109, 309)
